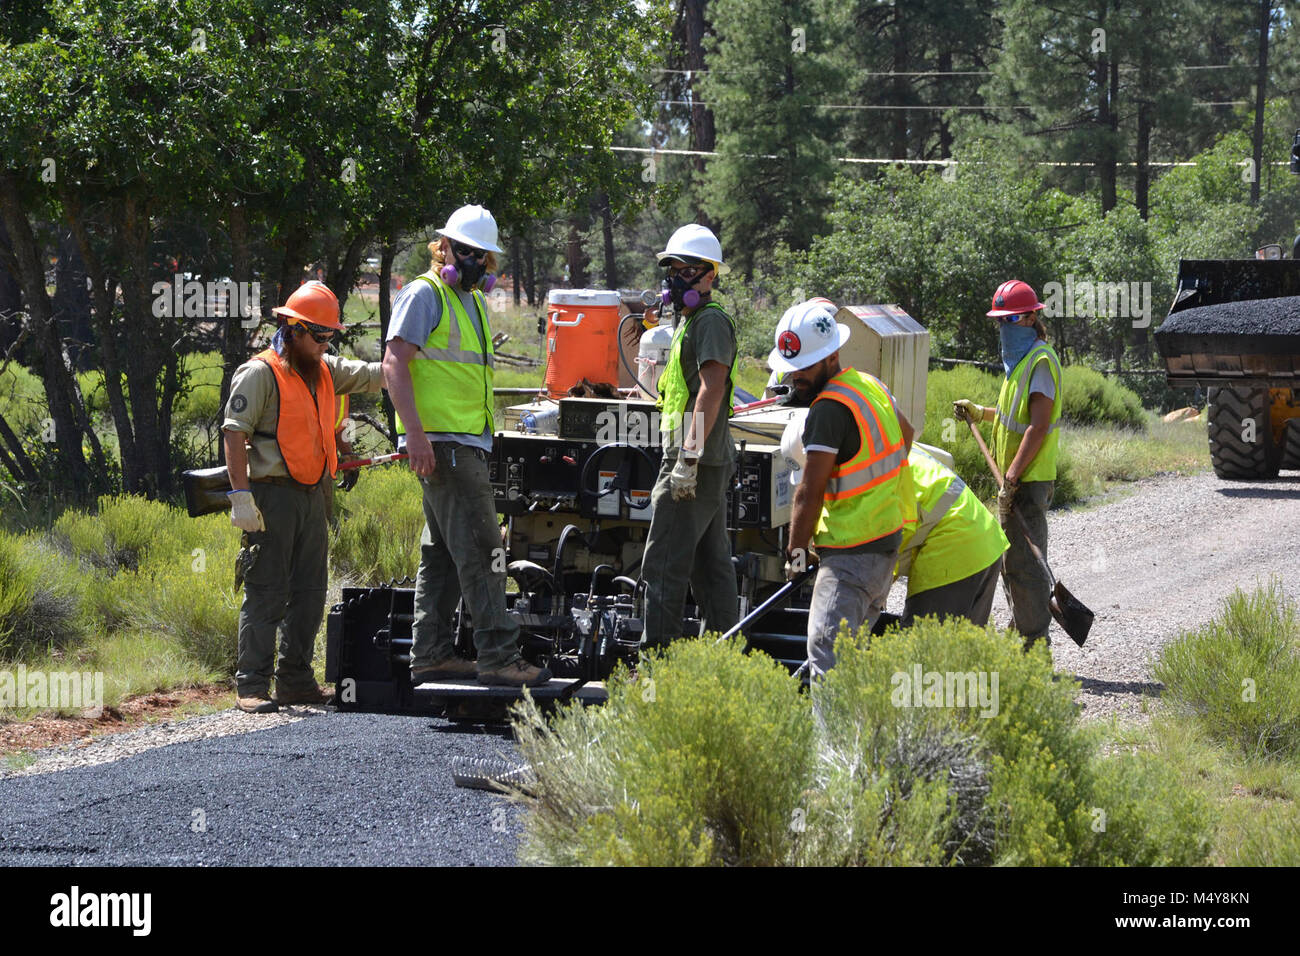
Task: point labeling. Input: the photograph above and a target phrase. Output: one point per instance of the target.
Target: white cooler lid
(587, 297)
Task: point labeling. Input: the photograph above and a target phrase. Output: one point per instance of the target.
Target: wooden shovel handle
(993, 465)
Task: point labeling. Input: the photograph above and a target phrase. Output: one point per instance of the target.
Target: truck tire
(1291, 445)
(1234, 457)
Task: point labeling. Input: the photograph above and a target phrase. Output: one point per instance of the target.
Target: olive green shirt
(254, 406)
(709, 338)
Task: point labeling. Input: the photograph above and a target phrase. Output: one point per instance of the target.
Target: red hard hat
(311, 302)
(1014, 298)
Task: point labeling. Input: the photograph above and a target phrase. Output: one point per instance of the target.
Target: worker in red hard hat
(279, 436)
(1025, 438)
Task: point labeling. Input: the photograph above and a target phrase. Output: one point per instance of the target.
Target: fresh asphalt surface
(381, 794)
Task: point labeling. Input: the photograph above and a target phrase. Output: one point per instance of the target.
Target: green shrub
(200, 402)
(943, 387)
(699, 761)
(40, 598)
(1090, 398)
(190, 596)
(125, 530)
(1239, 676)
(712, 757)
(380, 522)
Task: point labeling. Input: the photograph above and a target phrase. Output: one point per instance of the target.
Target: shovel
(206, 488)
(1072, 614)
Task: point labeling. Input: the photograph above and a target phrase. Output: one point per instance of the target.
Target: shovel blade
(1071, 613)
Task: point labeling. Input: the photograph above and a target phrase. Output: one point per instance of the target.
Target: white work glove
(1006, 495)
(681, 481)
(967, 411)
(244, 513)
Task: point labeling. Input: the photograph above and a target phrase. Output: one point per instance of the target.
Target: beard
(805, 393)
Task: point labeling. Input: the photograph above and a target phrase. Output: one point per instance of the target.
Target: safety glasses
(687, 271)
(467, 252)
(318, 334)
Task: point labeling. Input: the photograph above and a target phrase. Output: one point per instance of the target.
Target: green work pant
(284, 590)
(461, 553)
(971, 598)
(688, 544)
(1028, 587)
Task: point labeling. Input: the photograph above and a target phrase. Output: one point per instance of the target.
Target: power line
(871, 106)
(887, 73)
(871, 161)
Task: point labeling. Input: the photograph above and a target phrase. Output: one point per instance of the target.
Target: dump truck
(1234, 329)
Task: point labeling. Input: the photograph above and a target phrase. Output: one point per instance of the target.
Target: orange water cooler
(581, 338)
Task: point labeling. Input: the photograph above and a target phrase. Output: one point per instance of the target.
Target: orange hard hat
(312, 302)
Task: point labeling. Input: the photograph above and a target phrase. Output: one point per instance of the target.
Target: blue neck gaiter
(1017, 340)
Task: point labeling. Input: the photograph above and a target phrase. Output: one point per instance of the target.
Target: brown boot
(257, 704)
(302, 695)
(518, 673)
(453, 668)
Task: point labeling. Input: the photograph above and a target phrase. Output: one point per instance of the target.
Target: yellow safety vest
(954, 537)
(452, 373)
(673, 393)
(1013, 416)
(865, 495)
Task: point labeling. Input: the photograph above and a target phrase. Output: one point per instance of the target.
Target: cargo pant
(1028, 587)
(688, 544)
(971, 598)
(284, 590)
(461, 554)
(849, 589)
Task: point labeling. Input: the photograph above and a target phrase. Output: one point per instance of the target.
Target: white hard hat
(474, 226)
(792, 446)
(806, 334)
(695, 242)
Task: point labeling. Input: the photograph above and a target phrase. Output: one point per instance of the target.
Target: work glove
(1005, 497)
(244, 513)
(681, 480)
(348, 476)
(967, 411)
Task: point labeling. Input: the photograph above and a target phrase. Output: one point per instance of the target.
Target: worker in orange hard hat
(279, 436)
(1025, 438)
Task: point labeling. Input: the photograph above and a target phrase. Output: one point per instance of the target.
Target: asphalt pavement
(331, 790)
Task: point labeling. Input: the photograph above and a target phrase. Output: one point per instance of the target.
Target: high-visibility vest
(304, 431)
(451, 373)
(954, 536)
(1013, 416)
(864, 496)
(343, 406)
(673, 393)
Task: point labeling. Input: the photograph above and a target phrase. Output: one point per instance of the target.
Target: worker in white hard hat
(854, 497)
(687, 542)
(439, 364)
(778, 383)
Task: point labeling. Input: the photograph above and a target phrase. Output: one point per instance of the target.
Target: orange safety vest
(305, 430)
(868, 496)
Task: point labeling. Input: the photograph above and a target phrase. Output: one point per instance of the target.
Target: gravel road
(1155, 559)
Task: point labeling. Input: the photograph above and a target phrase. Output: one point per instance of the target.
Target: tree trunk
(516, 261)
(386, 314)
(576, 257)
(607, 230)
(945, 131)
(532, 271)
(1142, 182)
(703, 131)
(1261, 92)
(902, 91)
(24, 260)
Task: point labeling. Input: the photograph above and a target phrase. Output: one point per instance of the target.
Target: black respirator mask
(680, 292)
(471, 270)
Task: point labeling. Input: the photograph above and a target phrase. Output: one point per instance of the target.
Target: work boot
(302, 695)
(518, 673)
(259, 703)
(453, 668)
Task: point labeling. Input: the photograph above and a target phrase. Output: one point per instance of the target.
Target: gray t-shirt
(1041, 380)
(708, 338)
(416, 313)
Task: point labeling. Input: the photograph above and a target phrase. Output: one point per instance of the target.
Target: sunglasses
(1010, 319)
(688, 271)
(465, 252)
(319, 335)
